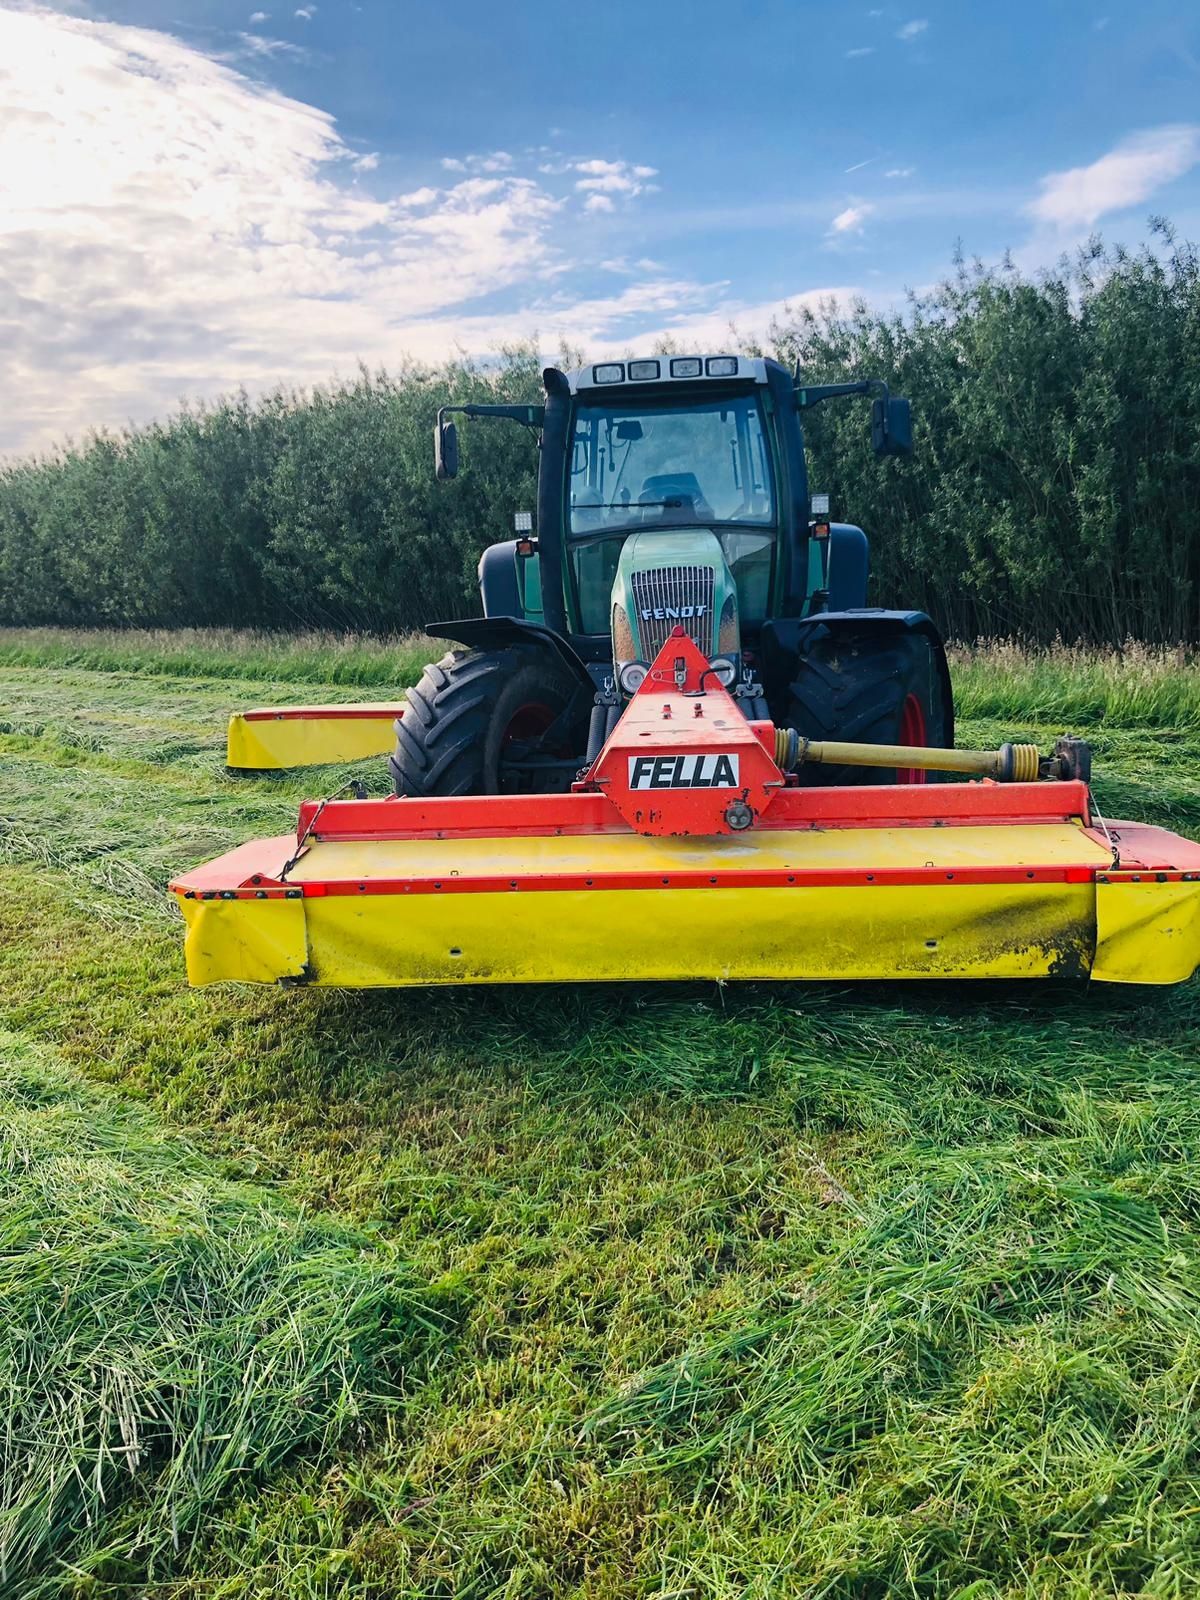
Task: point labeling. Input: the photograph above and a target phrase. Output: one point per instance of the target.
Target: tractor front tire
(464, 711)
(870, 686)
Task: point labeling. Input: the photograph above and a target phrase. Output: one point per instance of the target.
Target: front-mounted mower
(678, 743)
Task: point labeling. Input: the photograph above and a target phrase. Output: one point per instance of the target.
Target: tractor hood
(670, 580)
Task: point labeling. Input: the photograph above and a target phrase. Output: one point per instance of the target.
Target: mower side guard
(272, 740)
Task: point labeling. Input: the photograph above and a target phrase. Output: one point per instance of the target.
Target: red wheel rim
(527, 722)
(912, 731)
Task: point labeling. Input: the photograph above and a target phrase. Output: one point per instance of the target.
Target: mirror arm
(529, 416)
(812, 394)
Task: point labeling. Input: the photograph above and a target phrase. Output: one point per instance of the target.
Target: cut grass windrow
(166, 1334)
(1006, 1341)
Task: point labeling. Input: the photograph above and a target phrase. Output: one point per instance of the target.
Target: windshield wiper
(625, 505)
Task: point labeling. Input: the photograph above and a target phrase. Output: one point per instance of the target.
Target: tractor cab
(672, 508)
(672, 493)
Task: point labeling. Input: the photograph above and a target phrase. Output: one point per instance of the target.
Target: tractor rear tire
(870, 687)
(463, 711)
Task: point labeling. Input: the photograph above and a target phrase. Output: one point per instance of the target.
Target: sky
(196, 195)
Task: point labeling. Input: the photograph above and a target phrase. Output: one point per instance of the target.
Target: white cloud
(604, 178)
(910, 30)
(306, 13)
(418, 197)
(1126, 176)
(172, 228)
(491, 161)
(367, 163)
(851, 219)
(728, 322)
(259, 16)
(899, 172)
(598, 202)
(255, 45)
(863, 50)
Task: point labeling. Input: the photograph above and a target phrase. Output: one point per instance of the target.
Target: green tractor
(672, 492)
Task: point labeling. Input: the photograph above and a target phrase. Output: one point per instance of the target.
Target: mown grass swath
(753, 1291)
(989, 1379)
(166, 1334)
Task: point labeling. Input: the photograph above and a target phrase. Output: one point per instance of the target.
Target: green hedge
(1055, 491)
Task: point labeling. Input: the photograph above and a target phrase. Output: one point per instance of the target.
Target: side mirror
(891, 427)
(445, 450)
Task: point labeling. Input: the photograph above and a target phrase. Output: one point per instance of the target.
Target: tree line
(1054, 491)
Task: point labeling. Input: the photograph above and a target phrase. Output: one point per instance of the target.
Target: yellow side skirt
(577, 935)
(309, 736)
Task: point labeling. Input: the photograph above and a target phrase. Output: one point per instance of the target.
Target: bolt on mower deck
(688, 850)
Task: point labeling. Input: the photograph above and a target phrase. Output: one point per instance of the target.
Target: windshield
(644, 465)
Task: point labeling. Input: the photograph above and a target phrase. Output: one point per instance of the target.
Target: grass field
(629, 1291)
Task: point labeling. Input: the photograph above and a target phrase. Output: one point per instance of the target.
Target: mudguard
(499, 633)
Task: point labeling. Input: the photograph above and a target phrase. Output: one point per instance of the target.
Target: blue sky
(198, 194)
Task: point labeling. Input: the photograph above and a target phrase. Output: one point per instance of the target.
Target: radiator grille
(682, 597)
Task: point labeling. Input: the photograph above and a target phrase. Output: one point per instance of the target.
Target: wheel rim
(527, 722)
(912, 731)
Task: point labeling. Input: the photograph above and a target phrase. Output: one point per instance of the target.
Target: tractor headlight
(632, 676)
(724, 670)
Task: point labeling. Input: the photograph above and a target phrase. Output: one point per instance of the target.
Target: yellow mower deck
(973, 900)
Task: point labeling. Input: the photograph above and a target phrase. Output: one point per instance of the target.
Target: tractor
(678, 715)
(672, 493)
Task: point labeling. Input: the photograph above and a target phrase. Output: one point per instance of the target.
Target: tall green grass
(1078, 687)
(166, 1335)
(391, 661)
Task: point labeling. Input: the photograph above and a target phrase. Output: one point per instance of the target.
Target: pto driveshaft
(1011, 763)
